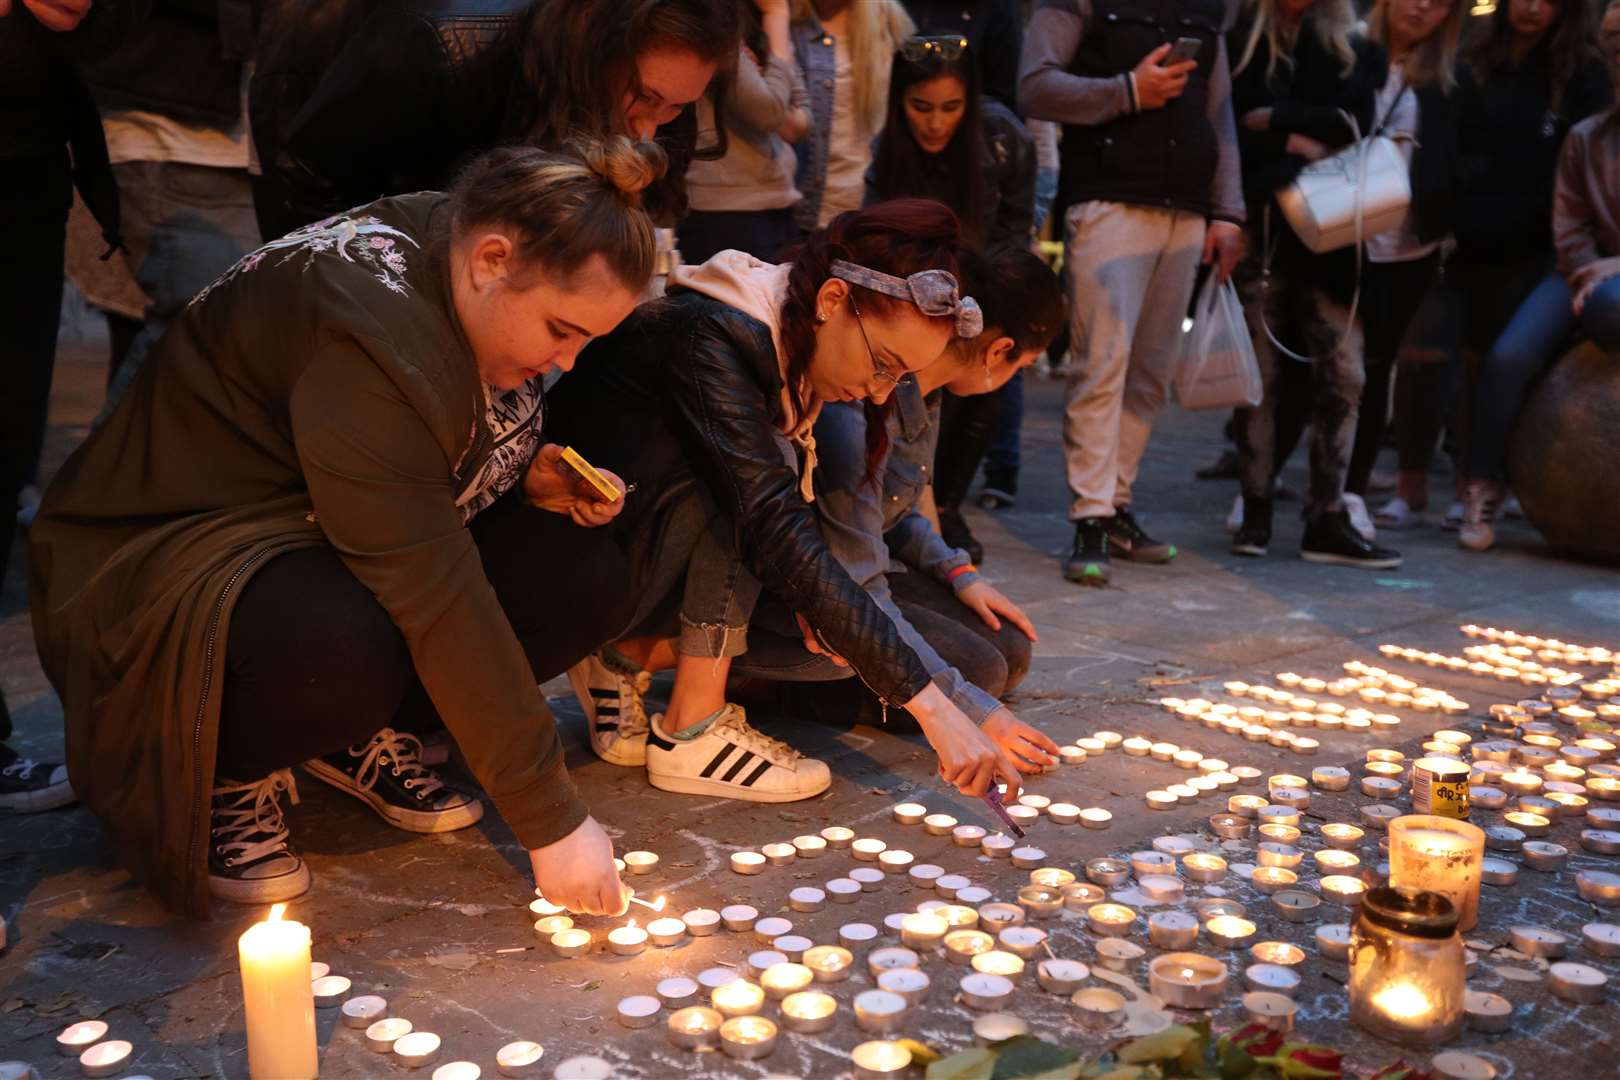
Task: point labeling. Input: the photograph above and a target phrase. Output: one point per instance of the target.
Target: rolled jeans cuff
(712, 640)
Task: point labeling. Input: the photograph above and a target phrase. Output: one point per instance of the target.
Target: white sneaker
(614, 714)
(734, 761)
(1234, 520)
(1360, 520)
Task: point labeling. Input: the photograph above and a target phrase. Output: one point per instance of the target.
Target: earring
(821, 316)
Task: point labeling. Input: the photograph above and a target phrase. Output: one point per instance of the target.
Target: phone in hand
(588, 473)
(1185, 48)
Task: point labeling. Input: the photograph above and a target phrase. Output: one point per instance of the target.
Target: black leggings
(313, 663)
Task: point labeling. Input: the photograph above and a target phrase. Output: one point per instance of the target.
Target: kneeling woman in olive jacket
(327, 495)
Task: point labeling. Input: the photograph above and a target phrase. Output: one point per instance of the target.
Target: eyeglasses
(932, 292)
(920, 48)
(885, 379)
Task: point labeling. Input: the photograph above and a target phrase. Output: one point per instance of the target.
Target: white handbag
(1361, 191)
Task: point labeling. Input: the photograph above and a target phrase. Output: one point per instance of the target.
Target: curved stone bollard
(1565, 456)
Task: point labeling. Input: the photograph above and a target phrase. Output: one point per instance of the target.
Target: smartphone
(1185, 49)
(586, 472)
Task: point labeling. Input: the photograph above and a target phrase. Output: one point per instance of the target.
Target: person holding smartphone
(1151, 178)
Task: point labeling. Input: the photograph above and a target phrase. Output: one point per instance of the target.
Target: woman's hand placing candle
(1028, 747)
(577, 872)
(969, 759)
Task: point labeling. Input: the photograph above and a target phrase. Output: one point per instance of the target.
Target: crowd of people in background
(369, 266)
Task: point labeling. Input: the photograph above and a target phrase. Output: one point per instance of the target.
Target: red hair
(899, 237)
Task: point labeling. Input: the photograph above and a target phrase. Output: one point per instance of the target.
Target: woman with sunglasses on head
(708, 402)
(974, 641)
(942, 140)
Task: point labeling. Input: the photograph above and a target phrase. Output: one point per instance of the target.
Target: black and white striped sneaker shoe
(733, 761)
(387, 775)
(614, 715)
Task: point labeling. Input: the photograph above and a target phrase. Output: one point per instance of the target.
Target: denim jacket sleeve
(850, 505)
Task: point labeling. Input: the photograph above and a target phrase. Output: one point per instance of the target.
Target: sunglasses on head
(945, 48)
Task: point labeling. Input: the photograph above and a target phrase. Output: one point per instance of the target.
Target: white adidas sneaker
(733, 761)
(614, 714)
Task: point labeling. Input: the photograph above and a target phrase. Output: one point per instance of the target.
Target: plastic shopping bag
(1218, 369)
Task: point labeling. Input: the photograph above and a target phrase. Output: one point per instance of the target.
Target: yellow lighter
(588, 473)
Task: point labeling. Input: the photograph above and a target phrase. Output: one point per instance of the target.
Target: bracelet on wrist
(959, 571)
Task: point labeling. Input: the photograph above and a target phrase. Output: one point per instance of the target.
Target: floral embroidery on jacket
(365, 240)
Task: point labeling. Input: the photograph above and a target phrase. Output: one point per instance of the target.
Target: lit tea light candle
(1107, 872)
(1270, 879)
(967, 835)
(837, 836)
(1341, 836)
(1099, 1009)
(1203, 867)
(1110, 920)
(997, 917)
(1003, 964)
(1040, 901)
(1230, 826)
(381, 1035)
(780, 980)
(809, 847)
(739, 998)
(1229, 931)
(665, 932)
(1343, 889)
(779, 854)
(747, 1038)
(747, 862)
(809, 1011)
(1528, 823)
(867, 848)
(1275, 854)
(626, 940)
(1024, 942)
(330, 991)
(880, 1060)
(958, 916)
(880, 1011)
(920, 931)
(106, 1058)
(1187, 980)
(739, 917)
(1245, 806)
(694, 1028)
(547, 926)
(1336, 861)
(75, 1039)
(997, 846)
(541, 907)
(910, 813)
(1172, 929)
(961, 946)
(1520, 782)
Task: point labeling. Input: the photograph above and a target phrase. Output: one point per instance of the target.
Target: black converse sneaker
(249, 861)
(734, 761)
(28, 786)
(387, 774)
(1088, 561)
(1129, 540)
(1331, 539)
(614, 714)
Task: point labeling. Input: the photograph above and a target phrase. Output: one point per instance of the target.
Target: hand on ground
(577, 872)
(988, 602)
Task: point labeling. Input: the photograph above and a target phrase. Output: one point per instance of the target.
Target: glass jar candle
(1407, 969)
(1439, 854)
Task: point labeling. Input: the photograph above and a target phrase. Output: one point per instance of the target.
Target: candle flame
(659, 905)
(276, 912)
(632, 923)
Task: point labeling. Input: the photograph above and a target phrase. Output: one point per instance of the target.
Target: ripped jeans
(719, 596)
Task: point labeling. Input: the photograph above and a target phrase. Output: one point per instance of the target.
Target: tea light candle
(1577, 982)
(829, 963)
(997, 917)
(880, 1060)
(1500, 872)
(946, 886)
(1295, 905)
(1333, 941)
(1343, 889)
(1040, 901)
(330, 991)
(747, 862)
(1520, 782)
(1279, 953)
(867, 849)
(869, 878)
(809, 847)
(1024, 942)
(1504, 838)
(923, 875)
(1272, 978)
(843, 890)
(716, 977)
(1245, 806)
(879, 1011)
(1229, 931)
(639, 1011)
(1145, 863)
(921, 931)
(1161, 888)
(1137, 747)
(1027, 857)
(997, 846)
(1273, 1011)
(1487, 798)
(747, 1038)
(1230, 826)
(75, 1039)
(780, 980)
(1072, 755)
(666, 932)
(961, 946)
(693, 1028)
(381, 1035)
(1063, 813)
(1598, 887)
(910, 813)
(997, 1027)
(544, 927)
(762, 960)
(1172, 929)
(640, 862)
(967, 835)
(739, 998)
(1379, 815)
(1487, 1012)
(1270, 879)
(1002, 964)
(792, 946)
(1528, 823)
(1051, 877)
(1538, 941)
(1330, 778)
(1274, 854)
(1341, 836)
(963, 915)
(837, 836)
(910, 983)
(1203, 867)
(106, 1058)
(1110, 920)
(881, 960)
(363, 1011)
(541, 907)
(1601, 939)
(779, 854)
(739, 917)
(1601, 841)
(1336, 861)
(1099, 1009)
(809, 1011)
(983, 991)
(939, 824)
(1187, 980)
(629, 940)
(1161, 800)
(1025, 816)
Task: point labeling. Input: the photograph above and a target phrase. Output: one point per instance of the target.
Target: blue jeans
(1536, 335)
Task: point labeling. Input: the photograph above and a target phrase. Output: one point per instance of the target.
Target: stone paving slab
(421, 919)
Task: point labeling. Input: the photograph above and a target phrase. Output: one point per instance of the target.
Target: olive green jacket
(321, 391)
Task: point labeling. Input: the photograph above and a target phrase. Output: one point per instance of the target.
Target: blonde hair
(565, 206)
(1434, 61)
(1332, 21)
(876, 29)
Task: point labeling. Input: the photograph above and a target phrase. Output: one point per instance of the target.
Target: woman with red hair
(707, 402)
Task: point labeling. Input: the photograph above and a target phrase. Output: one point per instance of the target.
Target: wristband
(956, 572)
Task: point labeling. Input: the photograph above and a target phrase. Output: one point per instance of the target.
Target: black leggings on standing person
(314, 664)
(1390, 296)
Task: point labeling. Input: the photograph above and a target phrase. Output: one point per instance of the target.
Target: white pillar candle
(278, 1000)
(1441, 855)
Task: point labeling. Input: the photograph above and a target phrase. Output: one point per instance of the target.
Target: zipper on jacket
(199, 796)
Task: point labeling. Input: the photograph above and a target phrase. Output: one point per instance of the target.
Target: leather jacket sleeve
(724, 416)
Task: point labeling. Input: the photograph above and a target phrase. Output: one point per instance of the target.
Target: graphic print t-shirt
(514, 420)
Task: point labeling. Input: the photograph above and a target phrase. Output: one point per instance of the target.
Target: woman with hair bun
(708, 402)
(327, 506)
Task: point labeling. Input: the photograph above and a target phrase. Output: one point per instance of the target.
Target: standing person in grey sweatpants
(1151, 178)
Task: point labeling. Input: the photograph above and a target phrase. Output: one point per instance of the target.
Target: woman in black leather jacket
(422, 86)
(707, 400)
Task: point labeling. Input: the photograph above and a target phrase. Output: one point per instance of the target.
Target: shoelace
(257, 812)
(735, 724)
(401, 749)
(23, 768)
(636, 722)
